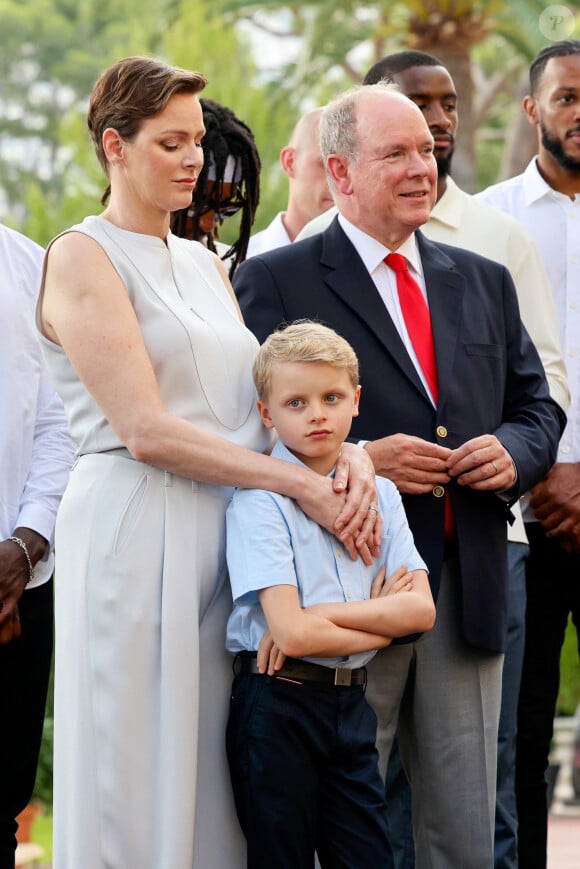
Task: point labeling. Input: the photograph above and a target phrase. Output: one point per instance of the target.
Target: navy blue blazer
(491, 380)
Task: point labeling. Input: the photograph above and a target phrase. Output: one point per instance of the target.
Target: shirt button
(438, 491)
(349, 595)
(339, 552)
(572, 353)
(565, 449)
(573, 304)
(441, 431)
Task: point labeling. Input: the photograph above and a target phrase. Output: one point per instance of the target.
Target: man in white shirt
(35, 457)
(545, 199)
(308, 193)
(459, 219)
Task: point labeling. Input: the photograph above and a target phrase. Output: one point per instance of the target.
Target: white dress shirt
(35, 450)
(553, 219)
(273, 236)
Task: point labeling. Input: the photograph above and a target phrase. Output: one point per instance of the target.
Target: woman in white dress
(144, 340)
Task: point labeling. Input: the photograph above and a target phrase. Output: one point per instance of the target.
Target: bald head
(339, 133)
(301, 160)
(305, 132)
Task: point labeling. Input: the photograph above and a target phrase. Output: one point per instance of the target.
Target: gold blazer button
(441, 431)
(438, 491)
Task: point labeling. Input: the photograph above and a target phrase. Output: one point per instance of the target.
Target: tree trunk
(521, 139)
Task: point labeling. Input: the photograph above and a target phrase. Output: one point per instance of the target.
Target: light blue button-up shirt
(270, 541)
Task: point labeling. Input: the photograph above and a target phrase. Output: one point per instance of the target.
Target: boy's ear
(356, 401)
(265, 414)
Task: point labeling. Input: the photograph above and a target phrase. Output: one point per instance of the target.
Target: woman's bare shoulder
(73, 243)
(76, 258)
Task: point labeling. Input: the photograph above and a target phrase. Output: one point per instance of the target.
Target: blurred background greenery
(269, 61)
(569, 697)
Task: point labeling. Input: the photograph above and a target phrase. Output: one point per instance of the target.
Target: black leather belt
(305, 671)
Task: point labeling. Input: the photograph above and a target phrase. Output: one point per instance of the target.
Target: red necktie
(417, 320)
(418, 323)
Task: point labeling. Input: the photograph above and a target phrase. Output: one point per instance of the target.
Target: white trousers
(142, 678)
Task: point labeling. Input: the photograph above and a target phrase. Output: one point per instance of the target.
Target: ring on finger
(373, 507)
(493, 464)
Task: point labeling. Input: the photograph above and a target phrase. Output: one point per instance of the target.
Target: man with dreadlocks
(229, 182)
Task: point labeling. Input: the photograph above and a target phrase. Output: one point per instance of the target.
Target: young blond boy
(306, 620)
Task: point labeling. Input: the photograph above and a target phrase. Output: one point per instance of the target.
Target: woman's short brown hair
(132, 90)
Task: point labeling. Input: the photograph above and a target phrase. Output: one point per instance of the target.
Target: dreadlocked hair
(226, 135)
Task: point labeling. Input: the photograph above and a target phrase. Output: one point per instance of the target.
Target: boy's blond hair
(303, 341)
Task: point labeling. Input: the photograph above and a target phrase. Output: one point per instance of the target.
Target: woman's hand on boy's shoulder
(359, 525)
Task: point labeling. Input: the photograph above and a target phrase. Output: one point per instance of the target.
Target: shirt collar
(372, 252)
(447, 209)
(281, 451)
(535, 187)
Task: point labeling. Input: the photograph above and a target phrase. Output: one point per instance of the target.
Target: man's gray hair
(338, 129)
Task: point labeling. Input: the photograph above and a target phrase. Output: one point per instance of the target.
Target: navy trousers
(305, 775)
(24, 675)
(506, 819)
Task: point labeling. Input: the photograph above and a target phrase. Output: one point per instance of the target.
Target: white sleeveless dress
(142, 597)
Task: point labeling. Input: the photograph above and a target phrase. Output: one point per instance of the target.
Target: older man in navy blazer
(485, 435)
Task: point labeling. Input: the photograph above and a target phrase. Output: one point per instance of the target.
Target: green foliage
(569, 697)
(224, 56)
(43, 785)
(51, 207)
(42, 835)
(53, 51)
(341, 40)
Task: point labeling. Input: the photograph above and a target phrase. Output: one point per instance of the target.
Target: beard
(555, 148)
(444, 165)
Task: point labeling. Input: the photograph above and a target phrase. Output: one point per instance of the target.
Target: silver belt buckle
(342, 676)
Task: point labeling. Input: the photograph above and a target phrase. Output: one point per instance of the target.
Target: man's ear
(113, 145)
(265, 414)
(287, 155)
(531, 110)
(338, 170)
